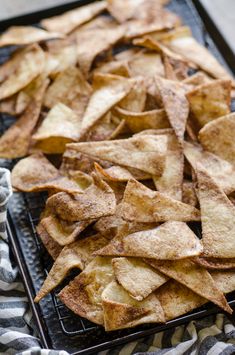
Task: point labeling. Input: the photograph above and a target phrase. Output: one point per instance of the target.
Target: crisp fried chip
(131, 272)
(76, 255)
(61, 126)
(135, 99)
(189, 194)
(69, 20)
(221, 170)
(146, 64)
(29, 67)
(117, 68)
(176, 105)
(36, 173)
(63, 58)
(217, 137)
(51, 246)
(9, 105)
(145, 153)
(197, 79)
(215, 263)
(210, 101)
(144, 205)
(169, 241)
(108, 90)
(63, 232)
(218, 218)
(15, 142)
(118, 173)
(224, 280)
(122, 311)
(98, 200)
(10, 65)
(194, 277)
(21, 35)
(83, 294)
(68, 86)
(139, 121)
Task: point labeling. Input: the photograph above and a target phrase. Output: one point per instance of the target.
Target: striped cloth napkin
(214, 335)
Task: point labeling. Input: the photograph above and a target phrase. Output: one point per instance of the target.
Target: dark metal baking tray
(58, 327)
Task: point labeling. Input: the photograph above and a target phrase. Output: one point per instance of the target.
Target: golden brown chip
(51, 246)
(135, 99)
(76, 255)
(21, 35)
(30, 65)
(216, 263)
(218, 218)
(146, 153)
(10, 65)
(97, 200)
(224, 280)
(139, 121)
(175, 104)
(145, 205)
(62, 58)
(194, 277)
(146, 64)
(36, 173)
(118, 173)
(63, 232)
(15, 142)
(169, 241)
(9, 105)
(136, 277)
(115, 67)
(221, 170)
(217, 137)
(122, 311)
(210, 101)
(189, 194)
(197, 79)
(69, 20)
(60, 126)
(83, 294)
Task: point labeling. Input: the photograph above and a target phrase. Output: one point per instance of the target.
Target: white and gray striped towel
(214, 335)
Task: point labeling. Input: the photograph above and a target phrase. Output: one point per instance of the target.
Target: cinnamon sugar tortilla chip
(139, 121)
(21, 35)
(221, 170)
(224, 280)
(189, 193)
(217, 137)
(76, 255)
(122, 311)
(145, 205)
(194, 277)
(216, 263)
(115, 67)
(63, 232)
(169, 241)
(145, 153)
(108, 91)
(119, 173)
(15, 142)
(30, 65)
(98, 200)
(83, 294)
(60, 126)
(146, 64)
(36, 173)
(69, 20)
(10, 65)
(210, 101)
(51, 246)
(8, 105)
(218, 218)
(130, 273)
(63, 58)
(135, 99)
(197, 79)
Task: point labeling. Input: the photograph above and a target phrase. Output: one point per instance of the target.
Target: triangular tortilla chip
(10, 65)
(121, 311)
(108, 90)
(140, 121)
(63, 232)
(21, 35)
(8, 105)
(83, 294)
(217, 137)
(215, 263)
(146, 64)
(224, 280)
(210, 101)
(198, 54)
(169, 241)
(63, 58)
(198, 79)
(36, 173)
(119, 173)
(30, 65)
(135, 100)
(97, 200)
(194, 277)
(60, 126)
(76, 255)
(189, 193)
(176, 105)
(136, 277)
(69, 20)
(50, 244)
(145, 205)
(221, 170)
(218, 218)
(145, 153)
(15, 142)
(114, 67)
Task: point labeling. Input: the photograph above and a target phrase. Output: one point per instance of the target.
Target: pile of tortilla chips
(145, 157)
